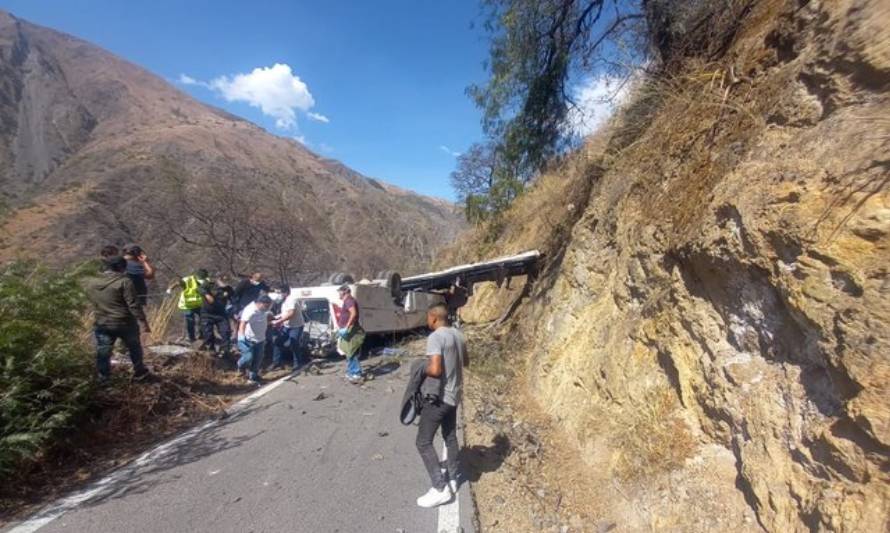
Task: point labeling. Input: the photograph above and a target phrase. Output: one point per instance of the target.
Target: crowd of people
(271, 316)
(245, 321)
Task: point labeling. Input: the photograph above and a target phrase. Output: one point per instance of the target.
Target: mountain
(96, 150)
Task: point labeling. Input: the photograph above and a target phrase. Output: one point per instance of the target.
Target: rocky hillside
(94, 149)
(711, 333)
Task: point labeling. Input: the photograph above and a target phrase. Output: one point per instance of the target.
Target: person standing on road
(118, 315)
(350, 334)
(290, 321)
(254, 320)
(190, 300)
(140, 270)
(446, 350)
(214, 314)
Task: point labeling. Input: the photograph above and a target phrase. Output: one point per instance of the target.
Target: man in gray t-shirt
(446, 349)
(449, 343)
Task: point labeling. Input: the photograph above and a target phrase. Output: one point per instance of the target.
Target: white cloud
(301, 139)
(448, 151)
(596, 99)
(318, 117)
(275, 90)
(185, 79)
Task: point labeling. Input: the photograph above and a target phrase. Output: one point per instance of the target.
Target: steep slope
(712, 331)
(94, 149)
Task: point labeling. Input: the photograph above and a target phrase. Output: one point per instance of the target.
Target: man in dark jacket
(118, 316)
(248, 290)
(214, 314)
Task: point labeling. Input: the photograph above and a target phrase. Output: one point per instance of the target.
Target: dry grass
(650, 439)
(160, 316)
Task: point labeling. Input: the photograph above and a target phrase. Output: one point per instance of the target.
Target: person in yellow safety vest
(190, 299)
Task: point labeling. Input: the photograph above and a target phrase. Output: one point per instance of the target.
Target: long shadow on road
(137, 478)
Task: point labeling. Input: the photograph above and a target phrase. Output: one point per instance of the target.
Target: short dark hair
(115, 263)
(439, 309)
(264, 299)
(281, 287)
(202, 273)
(109, 250)
(133, 249)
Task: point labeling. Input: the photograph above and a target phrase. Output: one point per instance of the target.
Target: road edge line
(58, 508)
(449, 517)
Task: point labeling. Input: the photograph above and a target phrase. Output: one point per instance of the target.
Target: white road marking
(107, 483)
(449, 514)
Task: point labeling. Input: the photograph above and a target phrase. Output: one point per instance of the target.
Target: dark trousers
(433, 416)
(220, 324)
(105, 338)
(287, 342)
(191, 319)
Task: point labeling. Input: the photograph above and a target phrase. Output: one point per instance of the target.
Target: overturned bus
(384, 308)
(390, 304)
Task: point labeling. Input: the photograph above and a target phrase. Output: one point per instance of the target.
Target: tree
(537, 47)
(482, 182)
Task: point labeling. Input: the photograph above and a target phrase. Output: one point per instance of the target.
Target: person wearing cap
(190, 300)
(118, 315)
(253, 321)
(350, 334)
(140, 270)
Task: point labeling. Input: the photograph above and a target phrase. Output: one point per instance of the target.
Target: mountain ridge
(88, 139)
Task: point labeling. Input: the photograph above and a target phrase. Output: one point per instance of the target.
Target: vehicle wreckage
(390, 304)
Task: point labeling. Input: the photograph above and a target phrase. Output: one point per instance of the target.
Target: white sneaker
(434, 498)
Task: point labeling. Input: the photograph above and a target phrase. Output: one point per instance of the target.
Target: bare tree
(241, 228)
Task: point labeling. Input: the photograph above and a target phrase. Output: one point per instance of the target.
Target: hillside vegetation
(711, 331)
(96, 150)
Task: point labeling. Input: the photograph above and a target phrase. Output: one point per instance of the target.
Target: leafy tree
(46, 367)
(483, 183)
(537, 47)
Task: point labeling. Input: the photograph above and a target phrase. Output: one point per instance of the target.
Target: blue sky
(389, 76)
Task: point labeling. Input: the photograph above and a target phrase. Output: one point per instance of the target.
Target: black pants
(221, 323)
(432, 417)
(105, 337)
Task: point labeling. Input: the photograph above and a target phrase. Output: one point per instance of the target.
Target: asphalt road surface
(308, 454)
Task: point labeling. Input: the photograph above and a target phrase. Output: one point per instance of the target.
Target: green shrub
(46, 365)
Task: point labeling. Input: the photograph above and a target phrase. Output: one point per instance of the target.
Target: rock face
(91, 146)
(713, 329)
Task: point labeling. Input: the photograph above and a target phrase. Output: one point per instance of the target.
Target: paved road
(284, 461)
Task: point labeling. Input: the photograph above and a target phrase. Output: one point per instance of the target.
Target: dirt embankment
(710, 338)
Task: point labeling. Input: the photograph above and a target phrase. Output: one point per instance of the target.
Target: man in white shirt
(290, 320)
(254, 320)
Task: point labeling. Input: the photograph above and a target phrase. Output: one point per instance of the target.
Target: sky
(379, 85)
